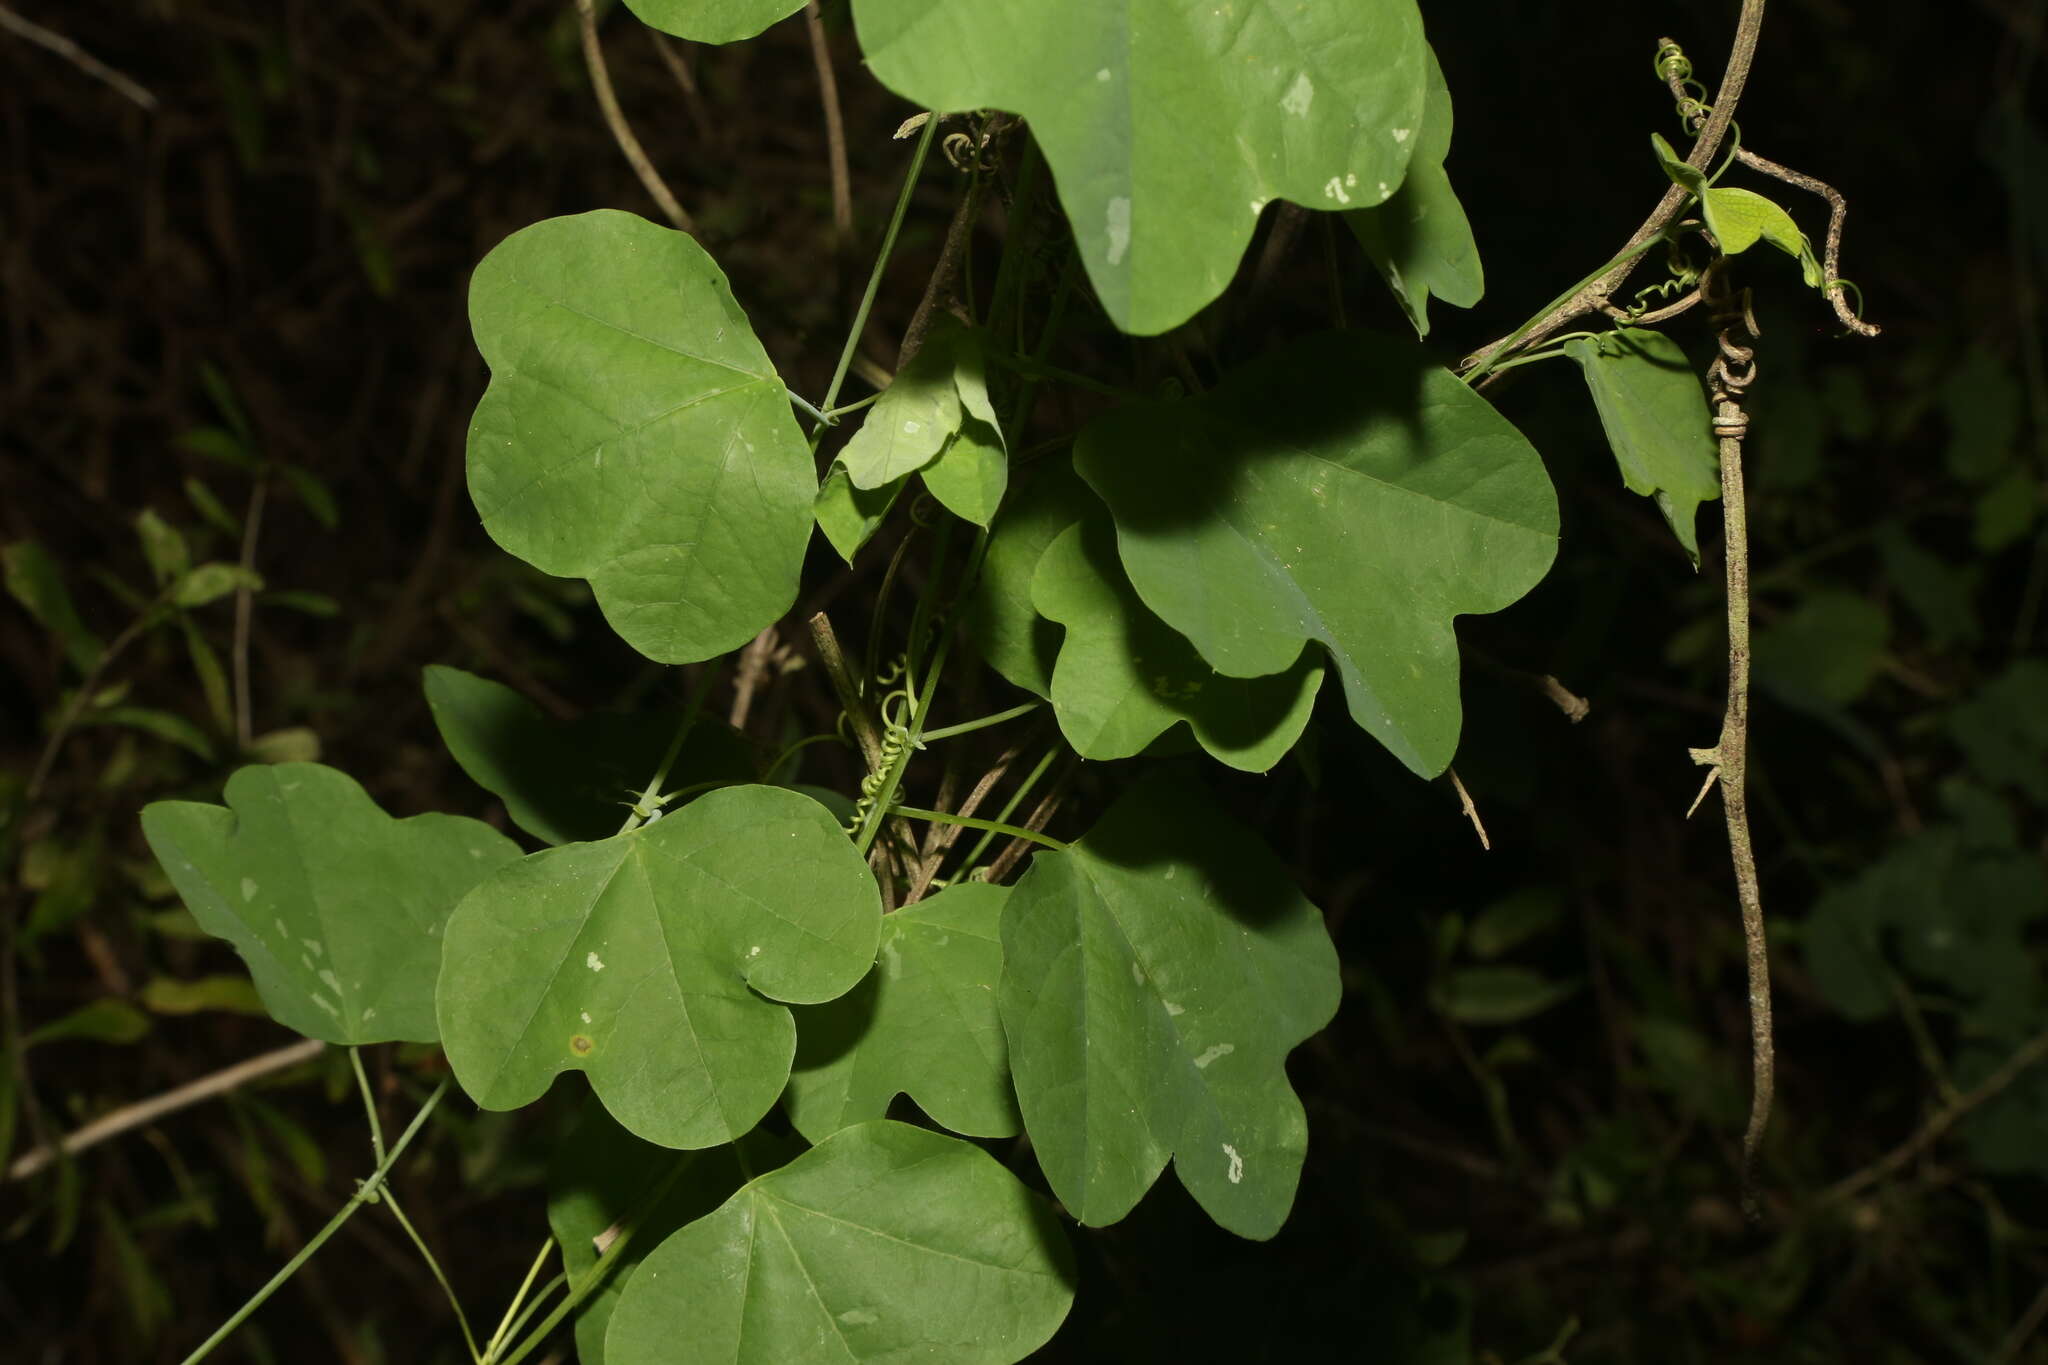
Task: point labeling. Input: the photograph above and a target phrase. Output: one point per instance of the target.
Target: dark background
(301, 213)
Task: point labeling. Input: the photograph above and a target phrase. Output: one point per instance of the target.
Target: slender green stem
(362, 1196)
(1031, 780)
(867, 298)
(691, 710)
(992, 826)
(832, 415)
(822, 418)
(768, 776)
(1496, 357)
(505, 1324)
(1552, 353)
(390, 1200)
(540, 1297)
(968, 727)
(893, 775)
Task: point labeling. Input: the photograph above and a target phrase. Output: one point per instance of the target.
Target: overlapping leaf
(1657, 423)
(1740, 218)
(849, 516)
(1124, 677)
(653, 961)
(922, 1024)
(712, 21)
(1155, 977)
(1000, 620)
(883, 1243)
(1343, 489)
(564, 781)
(635, 433)
(1420, 240)
(1316, 103)
(337, 907)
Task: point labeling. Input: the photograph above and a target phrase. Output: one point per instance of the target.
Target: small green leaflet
(971, 474)
(999, 618)
(635, 433)
(1657, 423)
(34, 580)
(600, 1175)
(564, 781)
(849, 516)
(1271, 99)
(934, 417)
(1740, 218)
(1343, 489)
(1125, 677)
(712, 21)
(654, 961)
(922, 1024)
(1155, 977)
(336, 907)
(1420, 240)
(883, 1243)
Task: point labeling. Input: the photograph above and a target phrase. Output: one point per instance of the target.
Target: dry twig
(615, 119)
(76, 55)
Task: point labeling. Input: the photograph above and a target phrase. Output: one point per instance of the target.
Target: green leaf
(916, 415)
(163, 724)
(292, 744)
(172, 995)
(1342, 489)
(1682, 175)
(883, 1243)
(654, 961)
(211, 509)
(211, 582)
(103, 1021)
(1738, 218)
(298, 599)
(336, 907)
(216, 443)
(1124, 677)
(712, 21)
(1420, 240)
(998, 616)
(163, 545)
(1497, 995)
(1513, 920)
(1155, 977)
(1270, 99)
(971, 473)
(849, 516)
(922, 1024)
(1825, 652)
(34, 580)
(565, 781)
(1655, 416)
(600, 1176)
(636, 434)
(313, 492)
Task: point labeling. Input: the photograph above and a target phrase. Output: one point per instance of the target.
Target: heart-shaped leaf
(882, 1243)
(1270, 99)
(1420, 240)
(336, 907)
(922, 1024)
(712, 21)
(565, 781)
(1343, 489)
(653, 961)
(1125, 677)
(1657, 423)
(635, 433)
(999, 618)
(1155, 977)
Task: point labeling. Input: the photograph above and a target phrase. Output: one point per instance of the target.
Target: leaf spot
(1137, 974)
(1335, 190)
(1236, 1172)
(586, 1015)
(580, 1044)
(248, 889)
(1259, 206)
(1400, 134)
(754, 951)
(592, 961)
(312, 946)
(1173, 1011)
(1220, 1050)
(1296, 100)
(324, 1003)
(1103, 74)
(1119, 229)
(857, 1317)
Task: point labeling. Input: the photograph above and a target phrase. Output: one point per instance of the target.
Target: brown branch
(148, 1111)
(848, 689)
(615, 119)
(1471, 810)
(1831, 255)
(76, 55)
(835, 128)
(1040, 817)
(1588, 299)
(747, 677)
(686, 81)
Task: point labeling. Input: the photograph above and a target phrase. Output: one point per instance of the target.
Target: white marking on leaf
(1401, 134)
(1220, 1050)
(591, 961)
(1236, 1171)
(1103, 74)
(586, 1016)
(248, 889)
(1173, 1011)
(1296, 100)
(1335, 190)
(1118, 226)
(857, 1317)
(325, 1004)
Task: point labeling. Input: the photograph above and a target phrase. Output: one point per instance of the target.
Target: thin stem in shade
(649, 799)
(970, 726)
(867, 298)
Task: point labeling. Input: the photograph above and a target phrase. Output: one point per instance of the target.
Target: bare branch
(615, 119)
(76, 55)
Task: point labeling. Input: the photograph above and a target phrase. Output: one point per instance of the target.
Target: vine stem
(966, 727)
(507, 1324)
(363, 1195)
(993, 826)
(693, 709)
(615, 119)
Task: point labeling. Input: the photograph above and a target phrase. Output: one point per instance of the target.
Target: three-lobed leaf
(337, 908)
(922, 1024)
(1271, 99)
(654, 962)
(884, 1243)
(1155, 977)
(635, 433)
(1656, 419)
(1343, 489)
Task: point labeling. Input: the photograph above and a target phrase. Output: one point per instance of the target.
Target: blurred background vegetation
(234, 332)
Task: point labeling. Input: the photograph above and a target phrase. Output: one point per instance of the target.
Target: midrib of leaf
(551, 301)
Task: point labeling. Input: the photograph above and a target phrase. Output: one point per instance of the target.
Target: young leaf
(1497, 994)
(999, 618)
(1420, 240)
(314, 492)
(34, 580)
(1124, 677)
(163, 724)
(601, 1176)
(1656, 419)
(336, 907)
(565, 781)
(163, 545)
(173, 995)
(712, 21)
(1342, 489)
(103, 1021)
(1155, 977)
(883, 1243)
(1274, 99)
(211, 582)
(1738, 218)
(922, 1024)
(654, 962)
(913, 419)
(849, 515)
(635, 433)
(971, 473)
